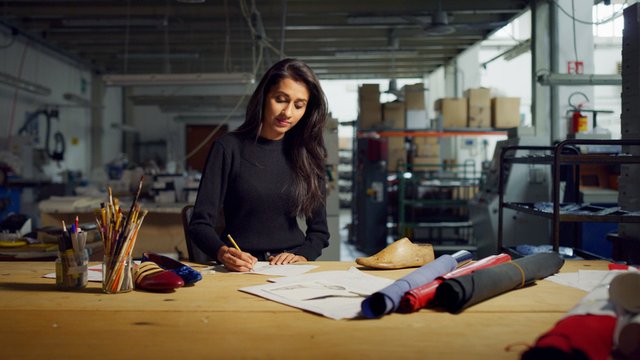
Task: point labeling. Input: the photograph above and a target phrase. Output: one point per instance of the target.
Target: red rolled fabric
(613, 266)
(415, 299)
(576, 337)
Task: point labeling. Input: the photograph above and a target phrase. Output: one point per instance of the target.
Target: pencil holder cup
(72, 269)
(116, 274)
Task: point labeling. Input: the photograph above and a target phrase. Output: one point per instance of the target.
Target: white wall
(508, 78)
(112, 137)
(468, 71)
(62, 76)
(570, 47)
(437, 88)
(154, 124)
(606, 57)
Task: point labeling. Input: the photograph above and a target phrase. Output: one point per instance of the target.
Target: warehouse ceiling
(340, 39)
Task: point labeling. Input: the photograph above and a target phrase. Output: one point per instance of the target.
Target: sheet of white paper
(334, 294)
(264, 268)
(566, 279)
(94, 273)
(596, 283)
(586, 280)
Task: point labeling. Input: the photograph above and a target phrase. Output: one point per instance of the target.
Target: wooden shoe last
(400, 254)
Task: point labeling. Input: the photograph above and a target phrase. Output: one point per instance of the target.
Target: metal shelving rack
(564, 154)
(453, 186)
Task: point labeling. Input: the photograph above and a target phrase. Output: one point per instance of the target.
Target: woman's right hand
(236, 260)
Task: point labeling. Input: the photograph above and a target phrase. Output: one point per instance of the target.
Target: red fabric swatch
(576, 337)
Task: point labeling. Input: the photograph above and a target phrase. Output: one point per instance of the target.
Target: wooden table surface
(213, 320)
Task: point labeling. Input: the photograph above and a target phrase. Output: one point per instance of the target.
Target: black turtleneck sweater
(251, 181)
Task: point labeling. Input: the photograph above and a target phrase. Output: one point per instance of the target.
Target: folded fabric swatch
(461, 292)
(415, 299)
(151, 277)
(388, 299)
(593, 328)
(188, 274)
(576, 337)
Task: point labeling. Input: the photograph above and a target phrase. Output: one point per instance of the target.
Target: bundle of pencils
(118, 232)
(72, 258)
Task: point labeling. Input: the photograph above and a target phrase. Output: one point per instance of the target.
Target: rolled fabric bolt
(628, 338)
(586, 332)
(624, 293)
(461, 292)
(420, 297)
(462, 257)
(575, 337)
(388, 299)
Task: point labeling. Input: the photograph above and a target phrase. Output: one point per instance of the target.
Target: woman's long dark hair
(303, 143)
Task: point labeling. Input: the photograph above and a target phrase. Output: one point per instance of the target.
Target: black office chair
(195, 254)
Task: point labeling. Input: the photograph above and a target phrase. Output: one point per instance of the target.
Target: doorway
(195, 135)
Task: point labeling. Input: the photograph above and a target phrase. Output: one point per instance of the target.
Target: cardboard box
(370, 110)
(393, 115)
(427, 146)
(396, 152)
(505, 112)
(414, 97)
(416, 119)
(479, 107)
(369, 91)
(596, 175)
(453, 112)
(426, 160)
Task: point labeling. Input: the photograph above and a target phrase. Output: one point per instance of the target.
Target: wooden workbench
(213, 320)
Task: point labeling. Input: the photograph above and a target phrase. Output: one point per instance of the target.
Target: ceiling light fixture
(383, 20)
(511, 53)
(125, 128)
(439, 24)
(177, 79)
(518, 50)
(365, 54)
(79, 100)
(155, 56)
(111, 22)
(24, 85)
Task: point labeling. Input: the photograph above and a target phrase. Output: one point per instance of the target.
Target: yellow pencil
(233, 242)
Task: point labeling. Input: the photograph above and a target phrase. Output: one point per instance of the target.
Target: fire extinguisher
(579, 121)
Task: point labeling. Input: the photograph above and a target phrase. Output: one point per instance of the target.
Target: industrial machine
(522, 183)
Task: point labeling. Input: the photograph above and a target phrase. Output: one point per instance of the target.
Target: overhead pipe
(554, 79)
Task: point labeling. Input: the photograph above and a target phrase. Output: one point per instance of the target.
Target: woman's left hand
(286, 258)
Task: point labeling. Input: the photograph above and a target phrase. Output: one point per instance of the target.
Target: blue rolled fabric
(388, 299)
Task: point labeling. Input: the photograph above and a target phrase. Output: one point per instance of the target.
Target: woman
(267, 173)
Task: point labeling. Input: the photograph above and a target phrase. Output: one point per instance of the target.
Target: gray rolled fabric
(388, 299)
(461, 292)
